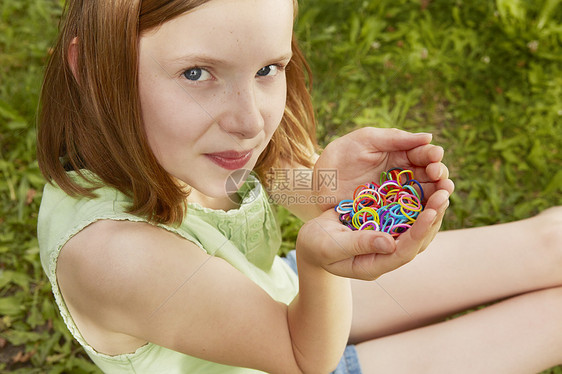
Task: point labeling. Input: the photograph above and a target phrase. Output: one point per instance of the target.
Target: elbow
(312, 365)
(316, 370)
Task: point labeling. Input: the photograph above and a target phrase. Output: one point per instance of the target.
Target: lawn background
(485, 77)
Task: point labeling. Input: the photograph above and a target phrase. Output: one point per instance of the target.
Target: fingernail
(444, 198)
(383, 245)
(434, 219)
(445, 205)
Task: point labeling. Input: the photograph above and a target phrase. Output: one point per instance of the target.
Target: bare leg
(462, 269)
(519, 335)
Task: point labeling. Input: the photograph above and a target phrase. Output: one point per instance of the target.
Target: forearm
(319, 319)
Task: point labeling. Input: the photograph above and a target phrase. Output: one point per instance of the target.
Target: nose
(242, 116)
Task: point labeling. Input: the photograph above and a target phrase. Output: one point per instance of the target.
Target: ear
(72, 57)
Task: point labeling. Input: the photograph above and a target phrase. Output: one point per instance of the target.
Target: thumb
(388, 140)
(363, 254)
(365, 242)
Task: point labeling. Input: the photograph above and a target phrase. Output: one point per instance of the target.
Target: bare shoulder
(107, 272)
(116, 247)
(129, 283)
(110, 257)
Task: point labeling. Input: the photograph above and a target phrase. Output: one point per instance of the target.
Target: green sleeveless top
(248, 238)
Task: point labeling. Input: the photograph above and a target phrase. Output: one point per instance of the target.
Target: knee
(549, 227)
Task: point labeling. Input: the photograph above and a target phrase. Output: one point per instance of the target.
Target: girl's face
(212, 88)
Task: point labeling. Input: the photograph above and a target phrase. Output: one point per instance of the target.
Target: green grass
(484, 76)
(486, 81)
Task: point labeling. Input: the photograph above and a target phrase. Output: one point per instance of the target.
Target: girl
(151, 109)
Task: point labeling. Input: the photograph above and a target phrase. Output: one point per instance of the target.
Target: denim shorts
(349, 363)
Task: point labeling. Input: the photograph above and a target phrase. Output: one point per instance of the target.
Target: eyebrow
(210, 60)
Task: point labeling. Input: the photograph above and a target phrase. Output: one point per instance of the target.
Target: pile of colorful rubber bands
(391, 206)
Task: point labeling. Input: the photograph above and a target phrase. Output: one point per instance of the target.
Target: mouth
(230, 160)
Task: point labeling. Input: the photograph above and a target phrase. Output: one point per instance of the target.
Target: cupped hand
(324, 242)
(360, 156)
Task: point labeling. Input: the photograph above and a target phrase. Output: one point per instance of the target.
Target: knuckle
(362, 245)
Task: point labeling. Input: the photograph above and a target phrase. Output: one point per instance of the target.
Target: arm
(139, 281)
(127, 282)
(142, 283)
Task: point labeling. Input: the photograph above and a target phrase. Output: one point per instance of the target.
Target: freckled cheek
(275, 114)
(172, 117)
(176, 139)
(272, 122)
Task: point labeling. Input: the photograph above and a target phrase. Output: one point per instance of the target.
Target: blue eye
(196, 74)
(268, 70)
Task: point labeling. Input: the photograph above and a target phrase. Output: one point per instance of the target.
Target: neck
(225, 203)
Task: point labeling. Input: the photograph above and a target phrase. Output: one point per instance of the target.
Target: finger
(369, 266)
(430, 188)
(441, 210)
(434, 228)
(362, 255)
(447, 185)
(437, 171)
(428, 222)
(429, 173)
(410, 243)
(437, 200)
(388, 140)
(421, 227)
(362, 242)
(425, 154)
(339, 242)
